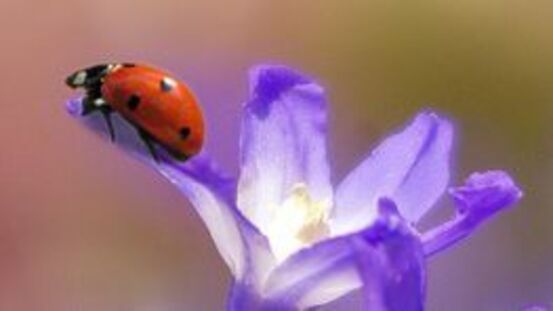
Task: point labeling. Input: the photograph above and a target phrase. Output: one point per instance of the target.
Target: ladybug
(162, 109)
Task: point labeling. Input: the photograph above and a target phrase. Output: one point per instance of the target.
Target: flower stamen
(298, 222)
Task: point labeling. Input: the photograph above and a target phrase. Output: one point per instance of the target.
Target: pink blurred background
(84, 227)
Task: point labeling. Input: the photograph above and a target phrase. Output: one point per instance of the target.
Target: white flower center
(298, 222)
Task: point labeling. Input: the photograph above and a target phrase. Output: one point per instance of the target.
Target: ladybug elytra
(162, 109)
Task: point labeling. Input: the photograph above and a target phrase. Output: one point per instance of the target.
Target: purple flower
(290, 239)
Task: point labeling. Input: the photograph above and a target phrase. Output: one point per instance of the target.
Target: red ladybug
(162, 109)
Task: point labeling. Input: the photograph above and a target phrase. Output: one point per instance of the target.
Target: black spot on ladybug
(133, 102)
(128, 65)
(166, 84)
(184, 132)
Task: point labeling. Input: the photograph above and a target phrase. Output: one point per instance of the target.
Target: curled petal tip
(433, 115)
(269, 81)
(74, 107)
(387, 207)
(391, 263)
(428, 113)
(388, 222)
(486, 193)
(482, 196)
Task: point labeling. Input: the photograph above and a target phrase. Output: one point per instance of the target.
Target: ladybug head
(91, 76)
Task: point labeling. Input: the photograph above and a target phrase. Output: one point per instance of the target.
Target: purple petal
(392, 268)
(386, 257)
(412, 167)
(483, 195)
(243, 248)
(74, 107)
(282, 141)
(211, 192)
(316, 275)
(244, 297)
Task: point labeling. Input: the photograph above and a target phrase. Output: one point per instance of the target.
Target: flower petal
(243, 248)
(393, 269)
(411, 167)
(386, 257)
(211, 192)
(316, 275)
(485, 194)
(482, 196)
(243, 297)
(282, 142)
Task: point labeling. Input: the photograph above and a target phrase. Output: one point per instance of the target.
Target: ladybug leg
(88, 106)
(147, 139)
(91, 104)
(106, 113)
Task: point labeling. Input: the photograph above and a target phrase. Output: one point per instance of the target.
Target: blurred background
(85, 227)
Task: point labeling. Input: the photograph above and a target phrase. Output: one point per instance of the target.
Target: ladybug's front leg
(93, 103)
(106, 111)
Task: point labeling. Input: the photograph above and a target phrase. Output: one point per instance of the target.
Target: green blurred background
(84, 227)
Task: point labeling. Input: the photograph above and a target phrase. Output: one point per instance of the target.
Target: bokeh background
(85, 227)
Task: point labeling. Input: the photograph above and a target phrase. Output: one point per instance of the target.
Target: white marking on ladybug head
(79, 78)
(167, 84)
(112, 67)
